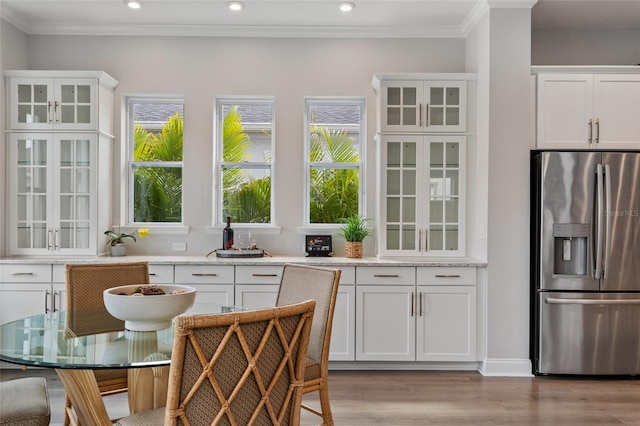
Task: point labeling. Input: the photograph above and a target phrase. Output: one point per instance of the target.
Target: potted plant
(116, 244)
(355, 230)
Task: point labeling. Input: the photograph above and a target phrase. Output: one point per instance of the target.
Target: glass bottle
(227, 235)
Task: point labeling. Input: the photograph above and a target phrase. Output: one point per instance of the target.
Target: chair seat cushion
(311, 370)
(24, 402)
(144, 418)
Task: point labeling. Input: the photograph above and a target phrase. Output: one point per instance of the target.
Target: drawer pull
(204, 275)
(447, 276)
(386, 275)
(23, 274)
(265, 275)
(151, 274)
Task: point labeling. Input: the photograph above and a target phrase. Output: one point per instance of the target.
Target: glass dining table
(47, 341)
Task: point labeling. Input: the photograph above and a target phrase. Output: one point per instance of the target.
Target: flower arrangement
(118, 237)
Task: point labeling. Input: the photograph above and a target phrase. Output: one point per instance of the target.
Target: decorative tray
(240, 253)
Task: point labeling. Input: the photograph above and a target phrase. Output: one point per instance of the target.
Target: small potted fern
(355, 229)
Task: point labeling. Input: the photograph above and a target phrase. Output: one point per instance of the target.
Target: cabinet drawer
(25, 273)
(348, 274)
(161, 274)
(185, 274)
(258, 274)
(402, 275)
(446, 276)
(59, 273)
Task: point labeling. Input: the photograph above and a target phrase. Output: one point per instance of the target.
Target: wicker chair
(320, 284)
(240, 368)
(86, 313)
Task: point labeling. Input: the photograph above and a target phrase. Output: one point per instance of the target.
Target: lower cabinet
(27, 290)
(214, 284)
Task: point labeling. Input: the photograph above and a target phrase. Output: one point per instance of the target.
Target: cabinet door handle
(426, 240)
(265, 275)
(49, 238)
(53, 301)
(204, 275)
(56, 105)
(50, 112)
(597, 130)
(151, 274)
(426, 115)
(18, 274)
(46, 301)
(55, 239)
(420, 114)
(421, 295)
(590, 131)
(447, 276)
(413, 304)
(386, 275)
(419, 240)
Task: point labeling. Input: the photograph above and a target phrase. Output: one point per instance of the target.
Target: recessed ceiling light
(235, 5)
(346, 6)
(134, 4)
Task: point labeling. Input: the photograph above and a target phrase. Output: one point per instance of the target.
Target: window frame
(219, 219)
(128, 211)
(308, 166)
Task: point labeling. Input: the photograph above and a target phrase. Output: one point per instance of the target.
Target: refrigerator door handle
(557, 301)
(607, 214)
(599, 207)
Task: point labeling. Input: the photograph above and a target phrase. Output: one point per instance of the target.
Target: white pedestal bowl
(149, 312)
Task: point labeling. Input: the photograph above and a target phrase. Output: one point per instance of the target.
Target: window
(244, 151)
(334, 132)
(155, 133)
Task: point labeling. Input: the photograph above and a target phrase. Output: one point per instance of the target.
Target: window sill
(260, 230)
(157, 229)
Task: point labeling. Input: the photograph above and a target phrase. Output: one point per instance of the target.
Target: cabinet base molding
(398, 366)
(506, 367)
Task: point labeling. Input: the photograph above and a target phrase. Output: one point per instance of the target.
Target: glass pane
(437, 184)
(24, 180)
(452, 210)
(82, 235)
(84, 93)
(40, 114)
(452, 182)
(436, 116)
(393, 96)
(65, 235)
(66, 207)
(393, 182)
(39, 152)
(24, 236)
(24, 114)
(453, 154)
(22, 207)
(24, 152)
(39, 235)
(39, 180)
(333, 195)
(83, 153)
(393, 209)
(408, 237)
(408, 209)
(435, 238)
(66, 183)
(84, 114)
(334, 133)
(247, 133)
(67, 114)
(436, 96)
(39, 207)
(393, 116)
(436, 155)
(24, 93)
(157, 194)
(409, 182)
(40, 95)
(82, 181)
(435, 211)
(451, 238)
(410, 96)
(393, 154)
(393, 237)
(248, 200)
(409, 155)
(66, 153)
(453, 116)
(83, 207)
(453, 96)
(67, 93)
(409, 116)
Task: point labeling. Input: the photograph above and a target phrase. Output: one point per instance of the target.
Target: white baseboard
(506, 367)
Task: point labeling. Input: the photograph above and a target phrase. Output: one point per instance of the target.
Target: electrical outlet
(179, 247)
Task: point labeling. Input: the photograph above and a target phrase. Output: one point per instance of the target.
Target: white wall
(289, 69)
(556, 47)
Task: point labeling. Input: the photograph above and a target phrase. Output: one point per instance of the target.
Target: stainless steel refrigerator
(585, 273)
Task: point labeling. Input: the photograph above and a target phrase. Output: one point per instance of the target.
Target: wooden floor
(393, 398)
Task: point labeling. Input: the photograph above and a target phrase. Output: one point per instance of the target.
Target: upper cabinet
(422, 106)
(60, 100)
(588, 110)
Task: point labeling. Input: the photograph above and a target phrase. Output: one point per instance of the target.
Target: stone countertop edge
(262, 261)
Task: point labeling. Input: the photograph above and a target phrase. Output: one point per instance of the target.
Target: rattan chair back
(302, 282)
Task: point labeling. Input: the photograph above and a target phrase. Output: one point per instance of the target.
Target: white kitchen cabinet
(421, 195)
(421, 105)
(59, 100)
(27, 290)
(342, 347)
(588, 111)
(213, 284)
(160, 274)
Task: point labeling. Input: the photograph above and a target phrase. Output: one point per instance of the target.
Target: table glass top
(46, 341)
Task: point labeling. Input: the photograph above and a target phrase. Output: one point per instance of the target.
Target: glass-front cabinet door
(423, 106)
(52, 187)
(422, 208)
(47, 103)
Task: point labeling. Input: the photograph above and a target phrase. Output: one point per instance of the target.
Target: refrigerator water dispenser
(570, 248)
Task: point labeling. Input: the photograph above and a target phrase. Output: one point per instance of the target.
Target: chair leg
(325, 404)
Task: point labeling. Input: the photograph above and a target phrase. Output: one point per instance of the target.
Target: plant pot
(118, 250)
(353, 249)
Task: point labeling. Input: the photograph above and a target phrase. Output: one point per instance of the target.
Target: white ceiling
(307, 18)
